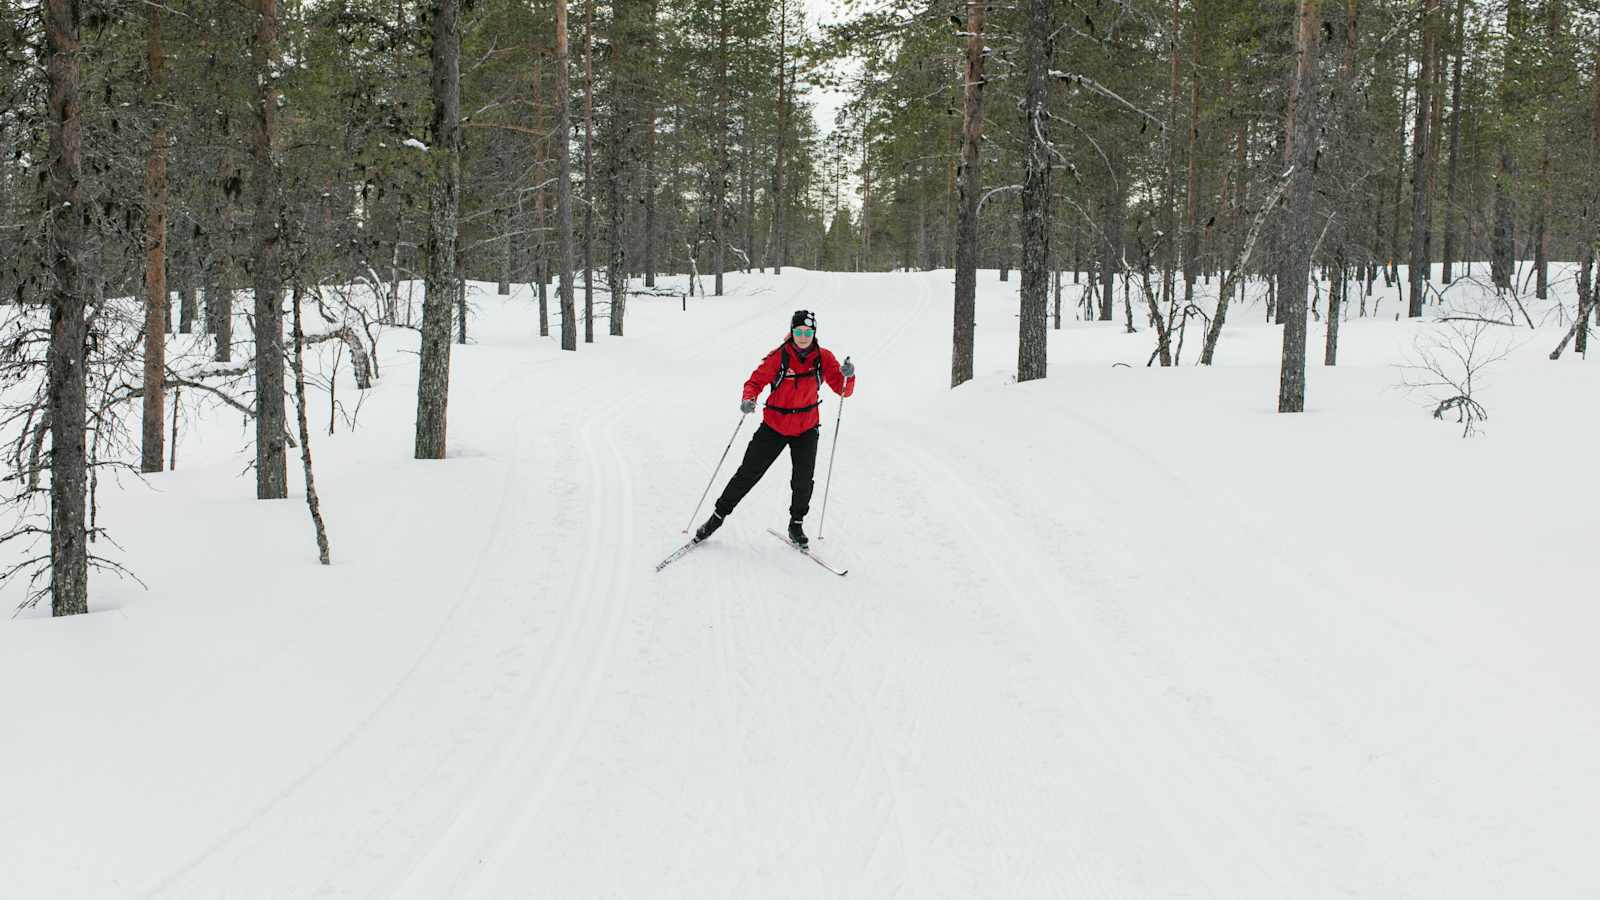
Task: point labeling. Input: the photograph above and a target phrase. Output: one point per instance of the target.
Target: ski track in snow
(1036, 681)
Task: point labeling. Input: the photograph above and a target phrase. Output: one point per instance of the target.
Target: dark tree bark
(541, 241)
(1303, 146)
(1111, 237)
(66, 220)
(866, 181)
(1451, 214)
(619, 132)
(1344, 113)
(747, 199)
(1502, 259)
(966, 307)
(1191, 235)
(188, 299)
(1549, 136)
(1586, 273)
(588, 172)
(563, 135)
(444, 186)
(1169, 204)
(650, 98)
(152, 444)
(783, 134)
(508, 227)
(219, 265)
(272, 479)
(1032, 338)
(720, 178)
(1392, 269)
(1421, 148)
(1586, 280)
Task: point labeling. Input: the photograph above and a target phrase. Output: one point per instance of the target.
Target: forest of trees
(184, 152)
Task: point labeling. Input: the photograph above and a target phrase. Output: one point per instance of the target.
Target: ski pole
(821, 520)
(696, 514)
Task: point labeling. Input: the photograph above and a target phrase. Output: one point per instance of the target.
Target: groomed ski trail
(1062, 668)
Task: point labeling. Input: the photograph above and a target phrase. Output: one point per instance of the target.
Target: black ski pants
(758, 457)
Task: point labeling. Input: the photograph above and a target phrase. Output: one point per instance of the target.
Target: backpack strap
(783, 365)
(786, 371)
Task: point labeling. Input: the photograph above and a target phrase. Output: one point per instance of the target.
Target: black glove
(747, 406)
(848, 370)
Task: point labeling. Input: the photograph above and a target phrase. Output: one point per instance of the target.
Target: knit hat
(803, 317)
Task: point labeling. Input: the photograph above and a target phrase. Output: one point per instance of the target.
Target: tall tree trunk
(1502, 258)
(1112, 233)
(563, 135)
(1241, 187)
(220, 251)
(65, 222)
(948, 258)
(189, 300)
(1592, 219)
(588, 172)
(508, 227)
(866, 181)
(650, 96)
(966, 307)
(1392, 271)
(747, 200)
(444, 187)
(720, 178)
(1549, 135)
(152, 445)
(1032, 338)
(1451, 214)
(1344, 117)
(648, 263)
(1420, 150)
(783, 133)
(1169, 201)
(622, 91)
(1191, 237)
(541, 240)
(272, 479)
(1303, 145)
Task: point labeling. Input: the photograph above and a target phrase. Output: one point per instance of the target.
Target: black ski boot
(798, 534)
(706, 530)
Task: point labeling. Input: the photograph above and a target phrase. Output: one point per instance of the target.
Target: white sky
(819, 12)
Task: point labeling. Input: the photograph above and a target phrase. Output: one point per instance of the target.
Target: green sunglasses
(805, 332)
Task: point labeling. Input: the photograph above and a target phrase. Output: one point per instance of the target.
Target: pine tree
(444, 177)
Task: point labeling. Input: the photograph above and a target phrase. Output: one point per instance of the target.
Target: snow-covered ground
(1124, 632)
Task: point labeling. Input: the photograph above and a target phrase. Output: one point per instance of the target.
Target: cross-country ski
(806, 552)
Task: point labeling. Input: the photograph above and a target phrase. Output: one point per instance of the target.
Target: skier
(795, 371)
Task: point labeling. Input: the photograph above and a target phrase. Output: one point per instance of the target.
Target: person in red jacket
(795, 372)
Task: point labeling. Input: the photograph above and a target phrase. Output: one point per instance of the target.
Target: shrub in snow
(1447, 364)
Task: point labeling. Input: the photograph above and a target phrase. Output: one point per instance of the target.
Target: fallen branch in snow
(1475, 319)
(358, 353)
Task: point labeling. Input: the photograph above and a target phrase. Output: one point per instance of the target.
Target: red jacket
(798, 390)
